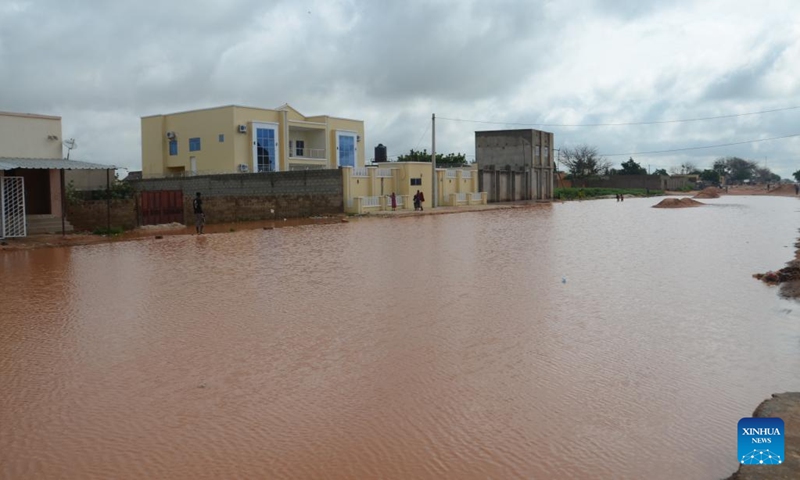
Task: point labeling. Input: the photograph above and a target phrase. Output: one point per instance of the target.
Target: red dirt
(685, 202)
(709, 192)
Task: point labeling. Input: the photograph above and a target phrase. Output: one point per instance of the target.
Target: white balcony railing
(370, 201)
(476, 197)
(451, 173)
(360, 172)
(466, 174)
(316, 153)
(384, 173)
(461, 197)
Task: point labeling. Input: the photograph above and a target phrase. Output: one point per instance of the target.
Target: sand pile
(708, 192)
(781, 190)
(685, 202)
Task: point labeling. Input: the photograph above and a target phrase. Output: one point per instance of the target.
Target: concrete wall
(653, 182)
(305, 182)
(87, 179)
(518, 164)
(237, 148)
(26, 136)
(238, 208)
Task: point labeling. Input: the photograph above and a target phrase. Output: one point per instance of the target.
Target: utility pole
(434, 180)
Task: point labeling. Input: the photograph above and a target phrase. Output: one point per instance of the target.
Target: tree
(632, 168)
(739, 169)
(451, 160)
(583, 161)
(796, 175)
(711, 176)
(661, 171)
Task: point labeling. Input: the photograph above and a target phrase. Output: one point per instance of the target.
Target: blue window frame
(221, 137)
(173, 147)
(194, 144)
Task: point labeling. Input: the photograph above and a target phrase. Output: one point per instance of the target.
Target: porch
(33, 194)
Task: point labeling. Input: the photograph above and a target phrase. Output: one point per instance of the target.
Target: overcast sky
(101, 65)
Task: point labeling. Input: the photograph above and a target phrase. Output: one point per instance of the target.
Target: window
(221, 138)
(416, 181)
(173, 147)
(194, 144)
(299, 146)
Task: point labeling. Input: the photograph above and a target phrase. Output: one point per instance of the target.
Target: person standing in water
(199, 216)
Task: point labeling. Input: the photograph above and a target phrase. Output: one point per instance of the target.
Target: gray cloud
(102, 65)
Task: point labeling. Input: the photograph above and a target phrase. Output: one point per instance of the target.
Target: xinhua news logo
(761, 441)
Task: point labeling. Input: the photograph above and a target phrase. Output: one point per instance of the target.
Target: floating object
(563, 279)
(271, 210)
(159, 237)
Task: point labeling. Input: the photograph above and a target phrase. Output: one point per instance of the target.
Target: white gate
(12, 207)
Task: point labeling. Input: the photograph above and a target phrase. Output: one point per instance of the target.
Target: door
(265, 147)
(161, 206)
(193, 165)
(346, 149)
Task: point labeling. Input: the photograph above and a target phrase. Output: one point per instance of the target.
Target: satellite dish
(70, 144)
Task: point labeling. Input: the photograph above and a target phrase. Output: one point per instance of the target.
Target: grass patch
(576, 193)
(112, 232)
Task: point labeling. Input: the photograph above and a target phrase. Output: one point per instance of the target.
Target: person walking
(421, 198)
(394, 201)
(416, 201)
(199, 216)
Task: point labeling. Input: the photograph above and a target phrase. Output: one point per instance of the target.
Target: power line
(700, 148)
(657, 122)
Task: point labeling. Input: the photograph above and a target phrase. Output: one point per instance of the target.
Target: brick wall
(243, 208)
(87, 215)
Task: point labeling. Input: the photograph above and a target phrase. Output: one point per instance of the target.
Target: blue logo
(761, 441)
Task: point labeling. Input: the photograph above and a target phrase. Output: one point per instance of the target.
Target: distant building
(515, 164)
(233, 139)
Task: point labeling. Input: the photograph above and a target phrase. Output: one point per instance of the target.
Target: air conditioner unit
(243, 168)
(242, 128)
(171, 135)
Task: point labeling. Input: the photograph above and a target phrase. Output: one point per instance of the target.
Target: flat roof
(29, 115)
(279, 109)
(50, 164)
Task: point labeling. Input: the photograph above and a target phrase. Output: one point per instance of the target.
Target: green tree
(738, 169)
(450, 160)
(796, 175)
(632, 168)
(661, 171)
(709, 175)
(583, 161)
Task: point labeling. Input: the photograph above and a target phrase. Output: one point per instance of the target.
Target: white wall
(26, 136)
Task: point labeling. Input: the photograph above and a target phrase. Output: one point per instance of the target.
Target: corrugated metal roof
(50, 164)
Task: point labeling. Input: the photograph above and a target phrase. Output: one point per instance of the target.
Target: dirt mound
(782, 190)
(788, 274)
(708, 192)
(685, 202)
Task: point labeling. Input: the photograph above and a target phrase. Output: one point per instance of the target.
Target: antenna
(70, 144)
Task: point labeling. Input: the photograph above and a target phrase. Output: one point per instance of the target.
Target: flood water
(583, 340)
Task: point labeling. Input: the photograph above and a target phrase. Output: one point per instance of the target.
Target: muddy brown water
(587, 340)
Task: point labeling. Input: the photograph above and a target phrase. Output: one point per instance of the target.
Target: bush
(573, 193)
(113, 231)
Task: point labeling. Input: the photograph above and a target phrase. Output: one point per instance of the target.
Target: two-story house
(233, 139)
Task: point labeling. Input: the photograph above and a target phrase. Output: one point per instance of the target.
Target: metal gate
(162, 206)
(12, 207)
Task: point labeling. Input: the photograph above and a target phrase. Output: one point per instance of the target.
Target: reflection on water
(424, 347)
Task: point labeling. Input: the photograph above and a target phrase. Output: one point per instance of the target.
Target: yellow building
(369, 189)
(234, 139)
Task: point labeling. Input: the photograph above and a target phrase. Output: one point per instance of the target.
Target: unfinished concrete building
(515, 165)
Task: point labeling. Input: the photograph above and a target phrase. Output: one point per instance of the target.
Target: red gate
(162, 206)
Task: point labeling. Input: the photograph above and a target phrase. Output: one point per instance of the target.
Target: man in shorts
(199, 216)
